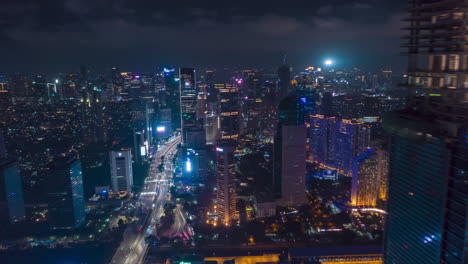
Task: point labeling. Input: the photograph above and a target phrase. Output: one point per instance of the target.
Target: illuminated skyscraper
(226, 185)
(428, 189)
(321, 139)
(11, 192)
(65, 194)
(225, 163)
(351, 138)
(188, 101)
(229, 112)
(121, 170)
(370, 174)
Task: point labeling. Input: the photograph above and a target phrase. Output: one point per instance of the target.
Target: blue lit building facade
(65, 194)
(321, 139)
(428, 186)
(428, 192)
(351, 138)
(11, 192)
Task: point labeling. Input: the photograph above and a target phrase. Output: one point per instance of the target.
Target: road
(180, 227)
(149, 206)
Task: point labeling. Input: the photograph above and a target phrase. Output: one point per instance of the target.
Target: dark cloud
(53, 34)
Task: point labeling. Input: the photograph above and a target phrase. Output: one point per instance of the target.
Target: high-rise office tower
(65, 194)
(140, 145)
(351, 138)
(188, 101)
(428, 189)
(321, 139)
(284, 81)
(370, 174)
(226, 185)
(172, 95)
(229, 112)
(289, 154)
(211, 92)
(11, 192)
(121, 170)
(225, 163)
(327, 104)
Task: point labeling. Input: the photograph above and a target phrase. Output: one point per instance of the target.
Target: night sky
(53, 35)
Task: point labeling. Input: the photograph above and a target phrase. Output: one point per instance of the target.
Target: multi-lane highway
(149, 206)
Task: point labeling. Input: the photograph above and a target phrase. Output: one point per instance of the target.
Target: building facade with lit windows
(369, 182)
(321, 139)
(229, 111)
(428, 188)
(350, 138)
(188, 101)
(226, 206)
(121, 170)
(229, 123)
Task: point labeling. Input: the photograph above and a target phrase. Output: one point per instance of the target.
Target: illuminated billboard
(188, 165)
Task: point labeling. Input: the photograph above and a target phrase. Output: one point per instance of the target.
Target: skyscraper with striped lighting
(428, 181)
(226, 205)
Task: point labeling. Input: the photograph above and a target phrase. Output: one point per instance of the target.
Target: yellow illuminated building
(270, 258)
(352, 259)
(369, 183)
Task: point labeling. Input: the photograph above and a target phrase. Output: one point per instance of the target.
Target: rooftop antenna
(285, 55)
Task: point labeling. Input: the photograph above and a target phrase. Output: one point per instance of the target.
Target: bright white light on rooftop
(328, 62)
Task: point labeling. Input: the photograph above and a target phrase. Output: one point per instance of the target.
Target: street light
(328, 62)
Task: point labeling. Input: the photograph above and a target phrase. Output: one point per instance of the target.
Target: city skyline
(148, 136)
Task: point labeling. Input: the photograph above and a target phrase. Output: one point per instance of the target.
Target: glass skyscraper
(65, 194)
(11, 192)
(428, 182)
